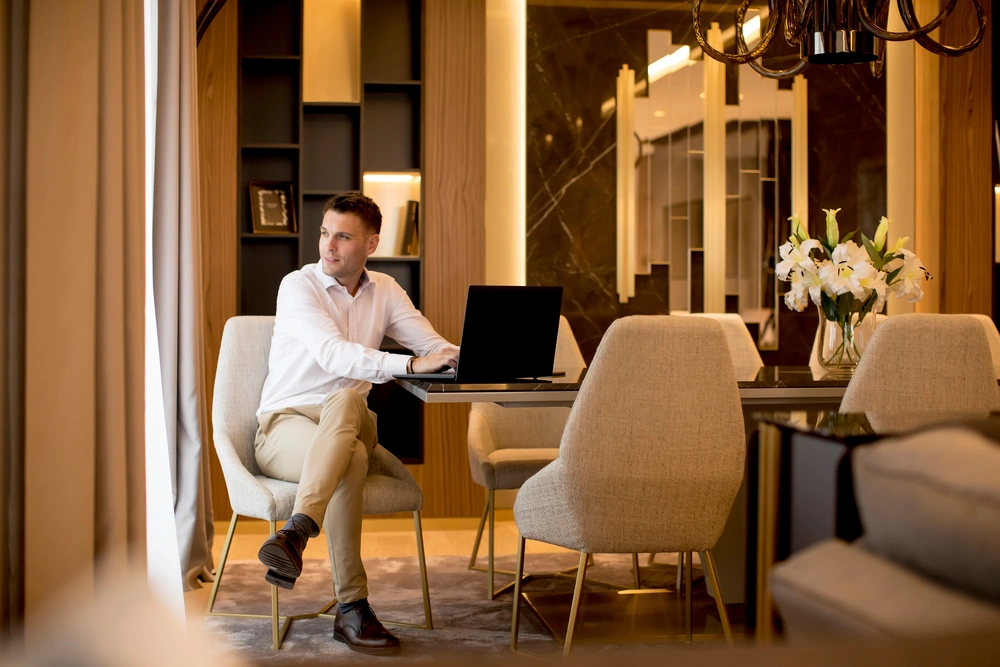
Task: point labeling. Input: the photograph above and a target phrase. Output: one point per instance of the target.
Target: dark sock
(302, 521)
(351, 606)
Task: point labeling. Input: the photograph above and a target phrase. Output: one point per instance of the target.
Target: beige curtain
(177, 286)
(84, 282)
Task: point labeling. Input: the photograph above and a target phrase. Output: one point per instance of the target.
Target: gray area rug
(465, 622)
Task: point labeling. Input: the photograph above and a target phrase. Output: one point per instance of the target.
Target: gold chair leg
(222, 562)
(516, 615)
(635, 571)
(708, 564)
(688, 602)
(479, 534)
(418, 527)
(680, 571)
(490, 592)
(274, 605)
(652, 559)
(581, 574)
(590, 560)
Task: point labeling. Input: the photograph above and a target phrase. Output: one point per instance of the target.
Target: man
(315, 426)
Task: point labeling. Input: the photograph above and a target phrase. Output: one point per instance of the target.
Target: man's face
(344, 246)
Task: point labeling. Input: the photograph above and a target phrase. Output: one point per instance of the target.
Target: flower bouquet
(847, 282)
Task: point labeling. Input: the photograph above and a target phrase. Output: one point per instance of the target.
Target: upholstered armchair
(509, 445)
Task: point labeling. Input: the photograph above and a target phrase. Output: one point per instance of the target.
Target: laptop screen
(509, 332)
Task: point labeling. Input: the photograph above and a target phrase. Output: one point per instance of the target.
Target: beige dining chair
(742, 347)
(242, 369)
(921, 362)
(992, 337)
(651, 458)
(509, 445)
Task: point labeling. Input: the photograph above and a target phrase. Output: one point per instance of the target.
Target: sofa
(928, 563)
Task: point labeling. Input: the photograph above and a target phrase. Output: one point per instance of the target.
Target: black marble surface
(573, 56)
(775, 377)
(846, 426)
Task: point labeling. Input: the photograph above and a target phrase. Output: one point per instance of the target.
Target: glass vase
(841, 345)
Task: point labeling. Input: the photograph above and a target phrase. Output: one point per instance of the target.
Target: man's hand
(435, 362)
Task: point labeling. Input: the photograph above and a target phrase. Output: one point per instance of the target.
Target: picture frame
(272, 207)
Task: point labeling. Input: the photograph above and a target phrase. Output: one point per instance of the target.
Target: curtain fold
(84, 445)
(177, 286)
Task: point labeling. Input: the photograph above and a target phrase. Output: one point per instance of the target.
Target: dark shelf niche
(266, 237)
(269, 103)
(323, 128)
(391, 131)
(263, 264)
(390, 40)
(264, 165)
(270, 28)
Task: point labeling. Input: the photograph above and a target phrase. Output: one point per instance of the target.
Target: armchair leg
(708, 562)
(428, 622)
(222, 562)
(479, 534)
(490, 590)
(274, 605)
(581, 574)
(652, 559)
(680, 571)
(688, 602)
(516, 616)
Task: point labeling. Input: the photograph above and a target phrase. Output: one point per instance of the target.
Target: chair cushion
(931, 502)
(834, 588)
(513, 467)
(384, 495)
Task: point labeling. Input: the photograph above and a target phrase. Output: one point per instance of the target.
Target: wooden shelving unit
(326, 147)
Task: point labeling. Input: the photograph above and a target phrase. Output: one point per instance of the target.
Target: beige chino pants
(325, 449)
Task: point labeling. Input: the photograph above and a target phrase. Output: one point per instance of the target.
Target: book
(410, 244)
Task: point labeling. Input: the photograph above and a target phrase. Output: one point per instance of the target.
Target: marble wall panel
(573, 56)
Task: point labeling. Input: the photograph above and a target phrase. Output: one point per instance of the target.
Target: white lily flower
(881, 233)
(908, 281)
(796, 299)
(832, 229)
(850, 253)
(836, 278)
(795, 256)
(864, 279)
(805, 280)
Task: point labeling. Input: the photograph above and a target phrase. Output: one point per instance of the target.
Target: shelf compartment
(407, 274)
(391, 131)
(390, 40)
(270, 28)
(264, 165)
(327, 163)
(262, 267)
(269, 104)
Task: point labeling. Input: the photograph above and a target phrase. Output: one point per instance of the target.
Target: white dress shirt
(325, 339)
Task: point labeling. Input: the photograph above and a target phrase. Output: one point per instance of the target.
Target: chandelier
(834, 32)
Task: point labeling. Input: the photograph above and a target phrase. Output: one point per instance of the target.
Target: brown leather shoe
(282, 552)
(362, 632)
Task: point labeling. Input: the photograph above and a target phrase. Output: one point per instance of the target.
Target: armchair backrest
(924, 362)
(742, 348)
(239, 379)
(653, 451)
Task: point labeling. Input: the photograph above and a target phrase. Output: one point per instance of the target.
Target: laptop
(509, 334)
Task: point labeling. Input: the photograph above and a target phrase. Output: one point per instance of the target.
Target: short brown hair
(359, 205)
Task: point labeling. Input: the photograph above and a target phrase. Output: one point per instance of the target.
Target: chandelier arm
(778, 74)
(729, 58)
(915, 29)
(741, 45)
(932, 45)
(794, 32)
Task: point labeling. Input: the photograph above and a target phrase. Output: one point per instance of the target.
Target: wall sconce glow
(671, 63)
(659, 114)
(392, 178)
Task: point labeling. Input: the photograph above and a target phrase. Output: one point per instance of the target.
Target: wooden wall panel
(217, 73)
(454, 223)
(927, 158)
(966, 170)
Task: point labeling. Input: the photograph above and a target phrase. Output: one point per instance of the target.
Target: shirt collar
(329, 281)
